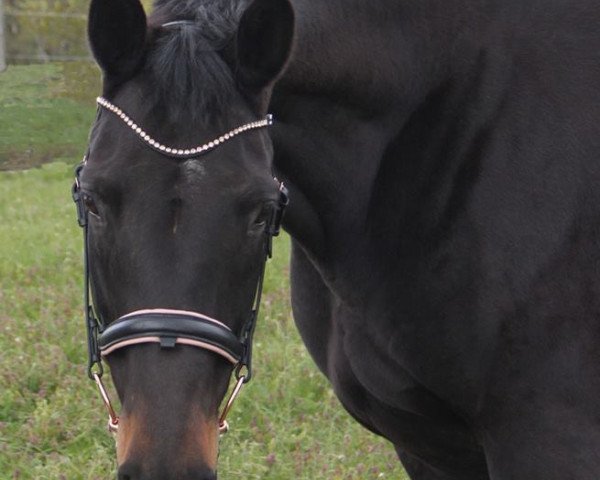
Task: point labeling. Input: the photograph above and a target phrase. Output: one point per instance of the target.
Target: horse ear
(117, 35)
(263, 42)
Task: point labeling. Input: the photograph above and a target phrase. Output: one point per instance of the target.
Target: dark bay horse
(442, 159)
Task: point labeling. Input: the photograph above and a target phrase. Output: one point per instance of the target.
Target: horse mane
(188, 75)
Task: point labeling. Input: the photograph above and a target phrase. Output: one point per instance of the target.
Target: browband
(181, 153)
(170, 328)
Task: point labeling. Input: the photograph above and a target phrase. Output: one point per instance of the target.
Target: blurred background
(48, 84)
(45, 30)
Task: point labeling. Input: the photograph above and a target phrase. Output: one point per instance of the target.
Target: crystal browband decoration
(178, 152)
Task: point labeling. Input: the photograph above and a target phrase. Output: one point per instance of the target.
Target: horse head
(179, 203)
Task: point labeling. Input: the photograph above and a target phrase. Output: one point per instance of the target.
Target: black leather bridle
(166, 327)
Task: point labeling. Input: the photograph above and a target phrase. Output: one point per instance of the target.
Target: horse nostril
(128, 471)
(132, 471)
(197, 472)
(202, 474)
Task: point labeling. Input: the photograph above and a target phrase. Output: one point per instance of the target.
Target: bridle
(165, 327)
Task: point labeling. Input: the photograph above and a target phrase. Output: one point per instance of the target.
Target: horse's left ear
(117, 35)
(263, 42)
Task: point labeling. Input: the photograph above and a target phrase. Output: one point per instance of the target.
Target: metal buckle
(223, 425)
(113, 418)
(76, 194)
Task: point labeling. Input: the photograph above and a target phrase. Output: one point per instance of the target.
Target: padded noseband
(170, 328)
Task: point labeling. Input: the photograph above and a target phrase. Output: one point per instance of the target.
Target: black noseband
(169, 328)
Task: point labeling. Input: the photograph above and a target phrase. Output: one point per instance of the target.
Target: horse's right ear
(263, 42)
(117, 35)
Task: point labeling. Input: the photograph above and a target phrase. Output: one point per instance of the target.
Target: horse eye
(90, 205)
(261, 221)
(263, 217)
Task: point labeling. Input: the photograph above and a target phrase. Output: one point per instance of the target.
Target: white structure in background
(2, 44)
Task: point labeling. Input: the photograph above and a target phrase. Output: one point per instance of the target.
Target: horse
(440, 159)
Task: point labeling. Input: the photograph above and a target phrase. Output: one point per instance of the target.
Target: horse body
(440, 155)
(440, 158)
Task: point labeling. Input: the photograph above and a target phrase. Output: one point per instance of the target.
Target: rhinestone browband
(177, 152)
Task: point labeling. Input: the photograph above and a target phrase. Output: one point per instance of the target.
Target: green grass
(45, 112)
(287, 424)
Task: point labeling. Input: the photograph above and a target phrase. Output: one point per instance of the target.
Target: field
(287, 423)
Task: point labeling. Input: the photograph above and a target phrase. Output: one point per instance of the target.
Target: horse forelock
(187, 74)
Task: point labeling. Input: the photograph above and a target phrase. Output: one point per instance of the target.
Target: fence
(40, 36)
(2, 48)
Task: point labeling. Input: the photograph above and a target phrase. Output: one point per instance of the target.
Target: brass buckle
(223, 425)
(113, 418)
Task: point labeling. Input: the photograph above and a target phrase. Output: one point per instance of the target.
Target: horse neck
(369, 132)
(372, 48)
(363, 69)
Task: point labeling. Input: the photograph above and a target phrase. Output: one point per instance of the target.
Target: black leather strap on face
(169, 328)
(92, 324)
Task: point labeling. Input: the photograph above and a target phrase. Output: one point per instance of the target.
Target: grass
(287, 423)
(45, 112)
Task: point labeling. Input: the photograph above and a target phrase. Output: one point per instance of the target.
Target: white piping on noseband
(179, 340)
(168, 311)
(178, 152)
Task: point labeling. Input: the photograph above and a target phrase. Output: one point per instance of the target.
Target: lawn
(45, 112)
(287, 423)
